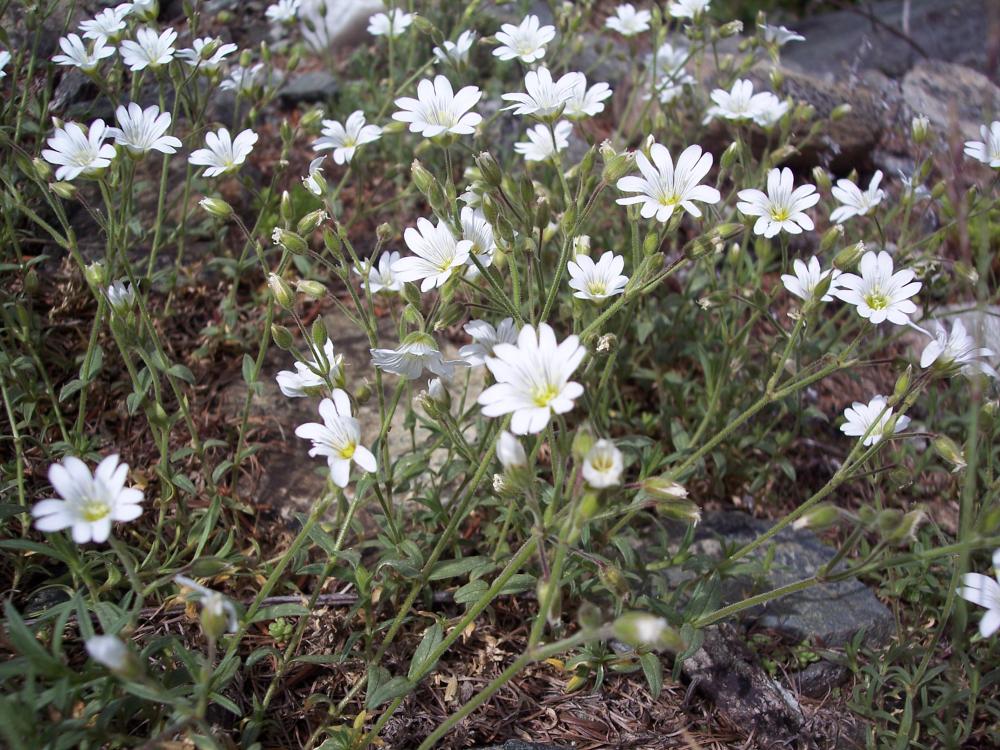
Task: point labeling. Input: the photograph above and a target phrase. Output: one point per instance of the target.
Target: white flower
(75, 53)
(533, 379)
(244, 80)
(597, 281)
(313, 377)
(338, 438)
(878, 293)
(390, 24)
(781, 208)
(479, 232)
(4, 59)
(510, 452)
(985, 592)
(141, 130)
(109, 652)
(987, 150)
(149, 49)
(603, 465)
(662, 188)
(283, 11)
(484, 338)
(214, 606)
(314, 182)
(874, 415)
(199, 55)
(90, 502)
(345, 139)
(417, 353)
(779, 35)
(955, 351)
(144, 9)
(540, 146)
(121, 296)
(628, 21)
(544, 96)
(380, 277)
(79, 150)
(688, 8)
(667, 69)
(437, 109)
(855, 202)
(222, 153)
(741, 103)
(525, 42)
(586, 102)
(109, 23)
(807, 277)
(458, 51)
(438, 254)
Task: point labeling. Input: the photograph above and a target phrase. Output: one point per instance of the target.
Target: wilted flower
(874, 415)
(417, 352)
(79, 150)
(603, 465)
(484, 338)
(90, 502)
(987, 150)
(380, 277)
(345, 139)
(628, 21)
(283, 11)
(223, 153)
(149, 50)
(109, 23)
(121, 296)
(313, 377)
(314, 182)
(955, 351)
(855, 202)
(878, 293)
(985, 592)
(807, 278)
(390, 24)
(437, 109)
(597, 281)
(198, 53)
(110, 652)
(76, 53)
(141, 130)
(586, 102)
(510, 452)
(663, 188)
(437, 254)
(338, 438)
(688, 8)
(525, 42)
(781, 208)
(533, 379)
(457, 51)
(544, 96)
(539, 146)
(218, 614)
(779, 35)
(477, 230)
(244, 80)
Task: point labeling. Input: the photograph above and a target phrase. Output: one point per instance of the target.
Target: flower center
(597, 288)
(602, 463)
(669, 199)
(94, 510)
(876, 300)
(347, 452)
(544, 393)
(780, 213)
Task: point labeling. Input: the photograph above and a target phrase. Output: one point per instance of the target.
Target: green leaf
(431, 640)
(280, 610)
(248, 370)
(89, 370)
(652, 667)
(27, 645)
(387, 691)
(518, 583)
(455, 568)
(182, 372)
(471, 592)
(70, 388)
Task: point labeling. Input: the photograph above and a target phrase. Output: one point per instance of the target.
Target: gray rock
(951, 96)
(819, 678)
(314, 86)
(851, 40)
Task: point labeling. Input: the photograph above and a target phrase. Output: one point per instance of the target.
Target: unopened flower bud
(424, 26)
(831, 237)
(96, 275)
(614, 580)
(731, 155)
(551, 591)
(310, 288)
(311, 221)
(949, 450)
(543, 213)
(363, 393)
(42, 168)
(777, 79)
(840, 111)
(489, 169)
(820, 517)
(822, 179)
(510, 452)
(731, 29)
(661, 488)
(65, 190)
(616, 165)
(906, 530)
(920, 129)
(902, 384)
(422, 179)
(111, 652)
(685, 511)
(642, 629)
(280, 290)
(847, 258)
(216, 207)
(583, 441)
(311, 118)
(282, 336)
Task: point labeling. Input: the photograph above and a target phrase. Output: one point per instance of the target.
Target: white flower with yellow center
(90, 502)
(345, 139)
(141, 130)
(485, 338)
(390, 24)
(544, 96)
(417, 352)
(987, 150)
(149, 50)
(109, 23)
(878, 293)
(379, 276)
(597, 281)
(338, 438)
(807, 277)
(76, 53)
(781, 208)
(525, 42)
(956, 351)
(438, 109)
(207, 53)
(313, 377)
(874, 416)
(540, 146)
(533, 379)
(628, 21)
(437, 254)
(223, 153)
(855, 202)
(78, 150)
(662, 187)
(603, 465)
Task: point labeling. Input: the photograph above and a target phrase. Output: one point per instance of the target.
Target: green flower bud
(651, 245)
(847, 258)
(661, 488)
(285, 208)
(614, 580)
(65, 190)
(311, 221)
(292, 242)
(840, 111)
(583, 441)
(949, 450)
(822, 179)
(906, 530)
(96, 275)
(216, 207)
(731, 29)
(310, 288)
(280, 291)
(421, 177)
(616, 165)
(363, 393)
(489, 169)
(318, 333)
(42, 169)
(424, 26)
(332, 241)
(731, 155)
(920, 127)
(902, 384)
(831, 237)
(820, 517)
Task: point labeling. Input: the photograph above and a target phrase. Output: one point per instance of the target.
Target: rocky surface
(308, 88)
